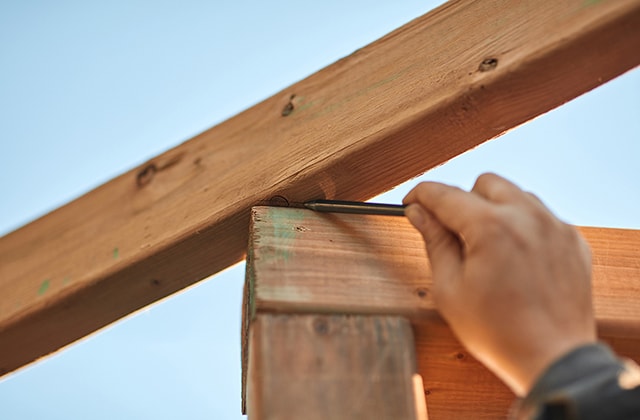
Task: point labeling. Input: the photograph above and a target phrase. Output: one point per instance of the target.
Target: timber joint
(278, 201)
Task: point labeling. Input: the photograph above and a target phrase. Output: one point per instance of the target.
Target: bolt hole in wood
(488, 64)
(421, 292)
(288, 108)
(146, 175)
(278, 201)
(155, 282)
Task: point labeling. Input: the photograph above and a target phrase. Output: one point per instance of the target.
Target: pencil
(355, 207)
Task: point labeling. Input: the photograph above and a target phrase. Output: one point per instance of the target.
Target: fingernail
(415, 214)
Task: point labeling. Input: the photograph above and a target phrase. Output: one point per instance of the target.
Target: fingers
(497, 189)
(455, 209)
(443, 247)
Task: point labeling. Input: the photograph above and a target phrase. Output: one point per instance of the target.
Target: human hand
(512, 281)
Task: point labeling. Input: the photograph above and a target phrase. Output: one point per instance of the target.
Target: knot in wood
(146, 175)
(488, 64)
(321, 326)
(288, 108)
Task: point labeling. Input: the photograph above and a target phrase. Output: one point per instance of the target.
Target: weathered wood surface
(430, 90)
(327, 262)
(331, 367)
(306, 262)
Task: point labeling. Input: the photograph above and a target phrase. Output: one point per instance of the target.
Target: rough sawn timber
(302, 262)
(444, 83)
(336, 367)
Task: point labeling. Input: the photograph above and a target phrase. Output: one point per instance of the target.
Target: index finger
(456, 209)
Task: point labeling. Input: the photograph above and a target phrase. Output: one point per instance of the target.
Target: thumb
(443, 246)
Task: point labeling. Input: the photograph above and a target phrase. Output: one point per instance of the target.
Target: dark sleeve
(588, 383)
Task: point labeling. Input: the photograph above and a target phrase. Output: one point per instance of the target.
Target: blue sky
(91, 89)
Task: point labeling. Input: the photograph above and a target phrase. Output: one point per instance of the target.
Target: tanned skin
(511, 279)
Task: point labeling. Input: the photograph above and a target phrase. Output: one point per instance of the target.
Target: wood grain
(430, 90)
(306, 262)
(331, 367)
(327, 262)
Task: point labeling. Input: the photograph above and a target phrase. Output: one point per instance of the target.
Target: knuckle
(483, 182)
(534, 199)
(487, 178)
(540, 217)
(490, 224)
(505, 227)
(424, 192)
(496, 189)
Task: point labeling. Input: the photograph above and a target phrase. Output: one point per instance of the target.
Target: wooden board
(326, 262)
(434, 88)
(331, 367)
(306, 262)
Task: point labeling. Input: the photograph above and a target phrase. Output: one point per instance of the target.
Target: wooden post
(302, 262)
(332, 367)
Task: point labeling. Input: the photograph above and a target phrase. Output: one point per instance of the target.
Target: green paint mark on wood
(303, 104)
(66, 281)
(587, 3)
(116, 253)
(44, 287)
(284, 230)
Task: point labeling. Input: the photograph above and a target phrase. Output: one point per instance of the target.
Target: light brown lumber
(301, 260)
(430, 90)
(331, 367)
(306, 262)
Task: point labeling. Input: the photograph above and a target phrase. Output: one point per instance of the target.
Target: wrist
(581, 382)
(543, 359)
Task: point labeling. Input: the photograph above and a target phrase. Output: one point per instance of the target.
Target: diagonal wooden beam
(440, 85)
(302, 262)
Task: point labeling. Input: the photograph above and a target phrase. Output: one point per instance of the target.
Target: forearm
(587, 383)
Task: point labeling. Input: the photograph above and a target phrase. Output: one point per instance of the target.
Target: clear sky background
(91, 89)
